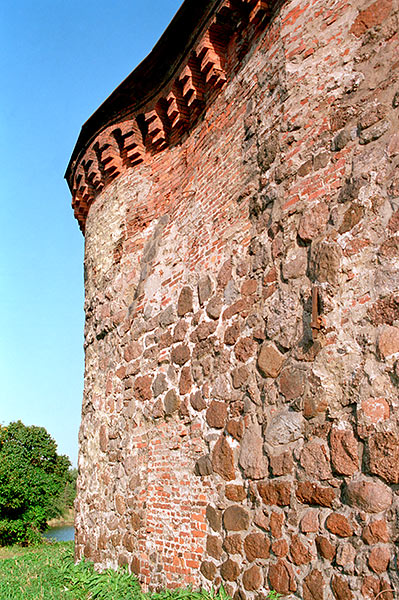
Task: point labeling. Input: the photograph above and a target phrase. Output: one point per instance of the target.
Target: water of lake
(64, 533)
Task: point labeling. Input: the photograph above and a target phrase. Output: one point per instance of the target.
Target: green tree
(33, 479)
(69, 494)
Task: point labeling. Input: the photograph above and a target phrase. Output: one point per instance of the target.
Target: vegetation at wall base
(48, 572)
(34, 573)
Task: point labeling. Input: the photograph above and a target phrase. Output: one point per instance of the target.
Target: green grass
(34, 573)
(48, 572)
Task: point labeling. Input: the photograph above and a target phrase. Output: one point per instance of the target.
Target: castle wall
(240, 412)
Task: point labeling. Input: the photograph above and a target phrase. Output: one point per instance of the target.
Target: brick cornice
(164, 96)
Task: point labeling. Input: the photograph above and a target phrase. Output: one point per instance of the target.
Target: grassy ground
(34, 573)
(47, 572)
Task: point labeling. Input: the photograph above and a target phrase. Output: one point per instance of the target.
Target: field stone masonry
(239, 197)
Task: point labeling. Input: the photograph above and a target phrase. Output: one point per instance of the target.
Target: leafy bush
(33, 479)
(70, 488)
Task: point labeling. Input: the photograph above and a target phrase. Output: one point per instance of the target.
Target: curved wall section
(162, 99)
(239, 421)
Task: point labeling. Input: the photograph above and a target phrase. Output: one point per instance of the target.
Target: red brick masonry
(239, 195)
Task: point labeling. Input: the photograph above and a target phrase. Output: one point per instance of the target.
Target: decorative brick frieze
(124, 145)
(192, 84)
(177, 109)
(156, 129)
(209, 52)
(93, 174)
(130, 142)
(259, 9)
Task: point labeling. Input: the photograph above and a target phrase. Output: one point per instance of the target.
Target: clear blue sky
(59, 59)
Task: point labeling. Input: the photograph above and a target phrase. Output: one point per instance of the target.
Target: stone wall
(240, 413)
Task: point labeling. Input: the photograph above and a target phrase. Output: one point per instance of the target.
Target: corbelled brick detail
(240, 414)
